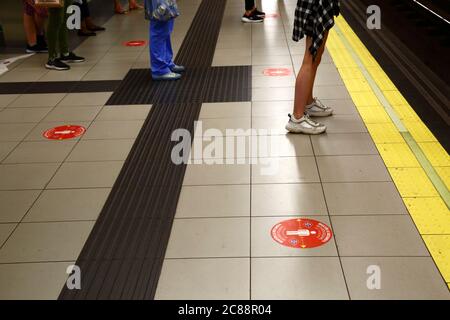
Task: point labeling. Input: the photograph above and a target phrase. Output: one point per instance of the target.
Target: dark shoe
(56, 64)
(36, 49)
(258, 13)
(171, 76)
(252, 18)
(178, 69)
(86, 33)
(71, 58)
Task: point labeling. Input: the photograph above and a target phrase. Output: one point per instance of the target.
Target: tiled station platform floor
(220, 247)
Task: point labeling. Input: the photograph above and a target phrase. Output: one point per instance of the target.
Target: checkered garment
(313, 18)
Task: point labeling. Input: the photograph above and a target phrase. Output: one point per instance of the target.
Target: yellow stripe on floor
(391, 122)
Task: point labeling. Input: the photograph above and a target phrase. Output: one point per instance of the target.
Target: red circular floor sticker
(277, 72)
(301, 233)
(135, 43)
(64, 132)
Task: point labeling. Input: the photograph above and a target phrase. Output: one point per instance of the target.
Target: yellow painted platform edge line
(415, 148)
(397, 122)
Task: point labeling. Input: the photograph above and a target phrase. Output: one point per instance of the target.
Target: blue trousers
(161, 54)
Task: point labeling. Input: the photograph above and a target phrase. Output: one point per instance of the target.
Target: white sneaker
(304, 125)
(318, 109)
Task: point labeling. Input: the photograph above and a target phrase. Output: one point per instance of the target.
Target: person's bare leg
(316, 64)
(133, 5)
(40, 24)
(30, 29)
(118, 7)
(304, 82)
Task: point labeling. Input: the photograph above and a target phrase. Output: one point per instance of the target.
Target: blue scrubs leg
(161, 54)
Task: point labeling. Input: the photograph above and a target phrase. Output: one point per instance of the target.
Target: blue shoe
(178, 69)
(166, 77)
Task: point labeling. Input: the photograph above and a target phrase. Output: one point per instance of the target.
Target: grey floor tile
(274, 94)
(6, 148)
(15, 204)
(225, 110)
(45, 242)
(86, 175)
(5, 231)
(68, 205)
(127, 129)
(37, 100)
(40, 151)
(288, 199)
(287, 145)
(343, 144)
(331, 92)
(352, 168)
(272, 108)
(225, 278)
(15, 131)
(213, 237)
(363, 236)
(272, 82)
(204, 174)
(236, 126)
(341, 106)
(270, 125)
(71, 114)
(6, 99)
(363, 198)
(214, 201)
(285, 170)
(301, 278)
(23, 115)
(263, 245)
(101, 150)
(131, 112)
(400, 279)
(86, 99)
(26, 176)
(344, 124)
(32, 281)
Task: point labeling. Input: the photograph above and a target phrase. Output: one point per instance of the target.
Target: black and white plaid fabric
(313, 18)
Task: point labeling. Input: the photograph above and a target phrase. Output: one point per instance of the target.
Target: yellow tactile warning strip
(418, 164)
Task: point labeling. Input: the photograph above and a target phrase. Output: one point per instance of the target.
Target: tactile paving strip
(123, 256)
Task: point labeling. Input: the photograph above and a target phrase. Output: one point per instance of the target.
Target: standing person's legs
(159, 32)
(160, 55)
(63, 33)
(304, 82)
(29, 25)
(249, 6)
(169, 51)
(300, 122)
(40, 18)
(55, 20)
(316, 64)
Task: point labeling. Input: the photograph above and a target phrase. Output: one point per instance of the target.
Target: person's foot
(251, 18)
(178, 69)
(86, 33)
(166, 77)
(318, 109)
(258, 13)
(56, 64)
(36, 49)
(304, 125)
(135, 6)
(120, 10)
(71, 58)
